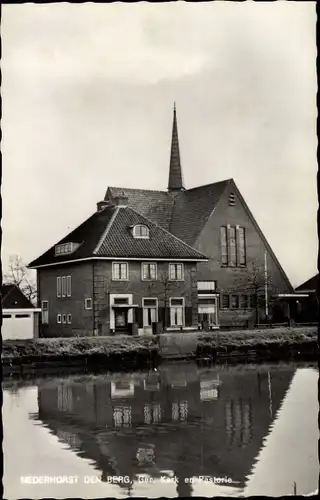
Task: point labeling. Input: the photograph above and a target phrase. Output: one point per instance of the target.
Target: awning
(124, 306)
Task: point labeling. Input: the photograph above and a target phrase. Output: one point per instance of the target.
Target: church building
(180, 258)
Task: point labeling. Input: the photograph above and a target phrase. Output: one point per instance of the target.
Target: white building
(20, 319)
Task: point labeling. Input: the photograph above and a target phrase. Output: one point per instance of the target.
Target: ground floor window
(150, 311)
(207, 310)
(237, 301)
(176, 311)
(45, 312)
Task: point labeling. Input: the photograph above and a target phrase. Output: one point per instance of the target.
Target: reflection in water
(181, 421)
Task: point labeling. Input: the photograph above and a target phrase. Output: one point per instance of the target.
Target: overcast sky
(88, 91)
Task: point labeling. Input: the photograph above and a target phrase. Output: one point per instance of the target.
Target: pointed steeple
(175, 172)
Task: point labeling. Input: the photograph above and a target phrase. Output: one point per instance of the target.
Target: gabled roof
(119, 242)
(183, 213)
(263, 238)
(108, 234)
(311, 284)
(155, 205)
(193, 207)
(13, 298)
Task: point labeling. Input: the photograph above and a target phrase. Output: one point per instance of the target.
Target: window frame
(59, 286)
(59, 318)
(119, 263)
(44, 310)
(68, 286)
(140, 236)
(64, 319)
(85, 304)
(175, 264)
(175, 306)
(241, 246)
(149, 264)
(233, 246)
(223, 296)
(234, 295)
(63, 286)
(69, 315)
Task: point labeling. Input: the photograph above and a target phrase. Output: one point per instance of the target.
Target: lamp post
(266, 284)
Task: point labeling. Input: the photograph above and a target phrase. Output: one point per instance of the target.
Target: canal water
(182, 430)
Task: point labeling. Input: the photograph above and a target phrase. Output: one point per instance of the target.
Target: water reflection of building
(182, 419)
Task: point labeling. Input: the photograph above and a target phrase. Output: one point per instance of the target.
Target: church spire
(175, 172)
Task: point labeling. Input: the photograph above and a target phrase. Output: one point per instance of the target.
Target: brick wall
(160, 288)
(81, 287)
(94, 280)
(230, 279)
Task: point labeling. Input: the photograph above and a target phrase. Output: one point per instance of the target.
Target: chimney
(102, 205)
(120, 200)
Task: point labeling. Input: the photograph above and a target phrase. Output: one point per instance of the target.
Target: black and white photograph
(159, 249)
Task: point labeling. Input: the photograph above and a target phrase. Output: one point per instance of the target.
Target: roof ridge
(139, 189)
(168, 232)
(107, 229)
(210, 184)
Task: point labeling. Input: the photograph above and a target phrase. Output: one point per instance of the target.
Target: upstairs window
(120, 271)
(149, 271)
(140, 231)
(176, 272)
(64, 286)
(65, 248)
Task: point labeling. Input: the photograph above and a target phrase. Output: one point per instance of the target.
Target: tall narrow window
(176, 272)
(242, 246)
(59, 286)
(176, 311)
(64, 286)
(45, 312)
(225, 302)
(68, 286)
(224, 246)
(233, 247)
(235, 301)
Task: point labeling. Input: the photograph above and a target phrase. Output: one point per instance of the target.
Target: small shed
(20, 319)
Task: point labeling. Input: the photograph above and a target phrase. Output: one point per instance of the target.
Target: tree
(18, 274)
(254, 283)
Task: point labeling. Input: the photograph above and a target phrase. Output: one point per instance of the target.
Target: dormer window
(140, 231)
(66, 248)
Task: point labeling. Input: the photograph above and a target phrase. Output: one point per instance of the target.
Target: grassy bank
(124, 352)
(111, 352)
(284, 343)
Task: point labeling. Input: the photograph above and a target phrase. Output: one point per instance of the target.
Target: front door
(121, 319)
(150, 313)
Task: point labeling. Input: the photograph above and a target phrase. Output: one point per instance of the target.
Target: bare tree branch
(18, 275)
